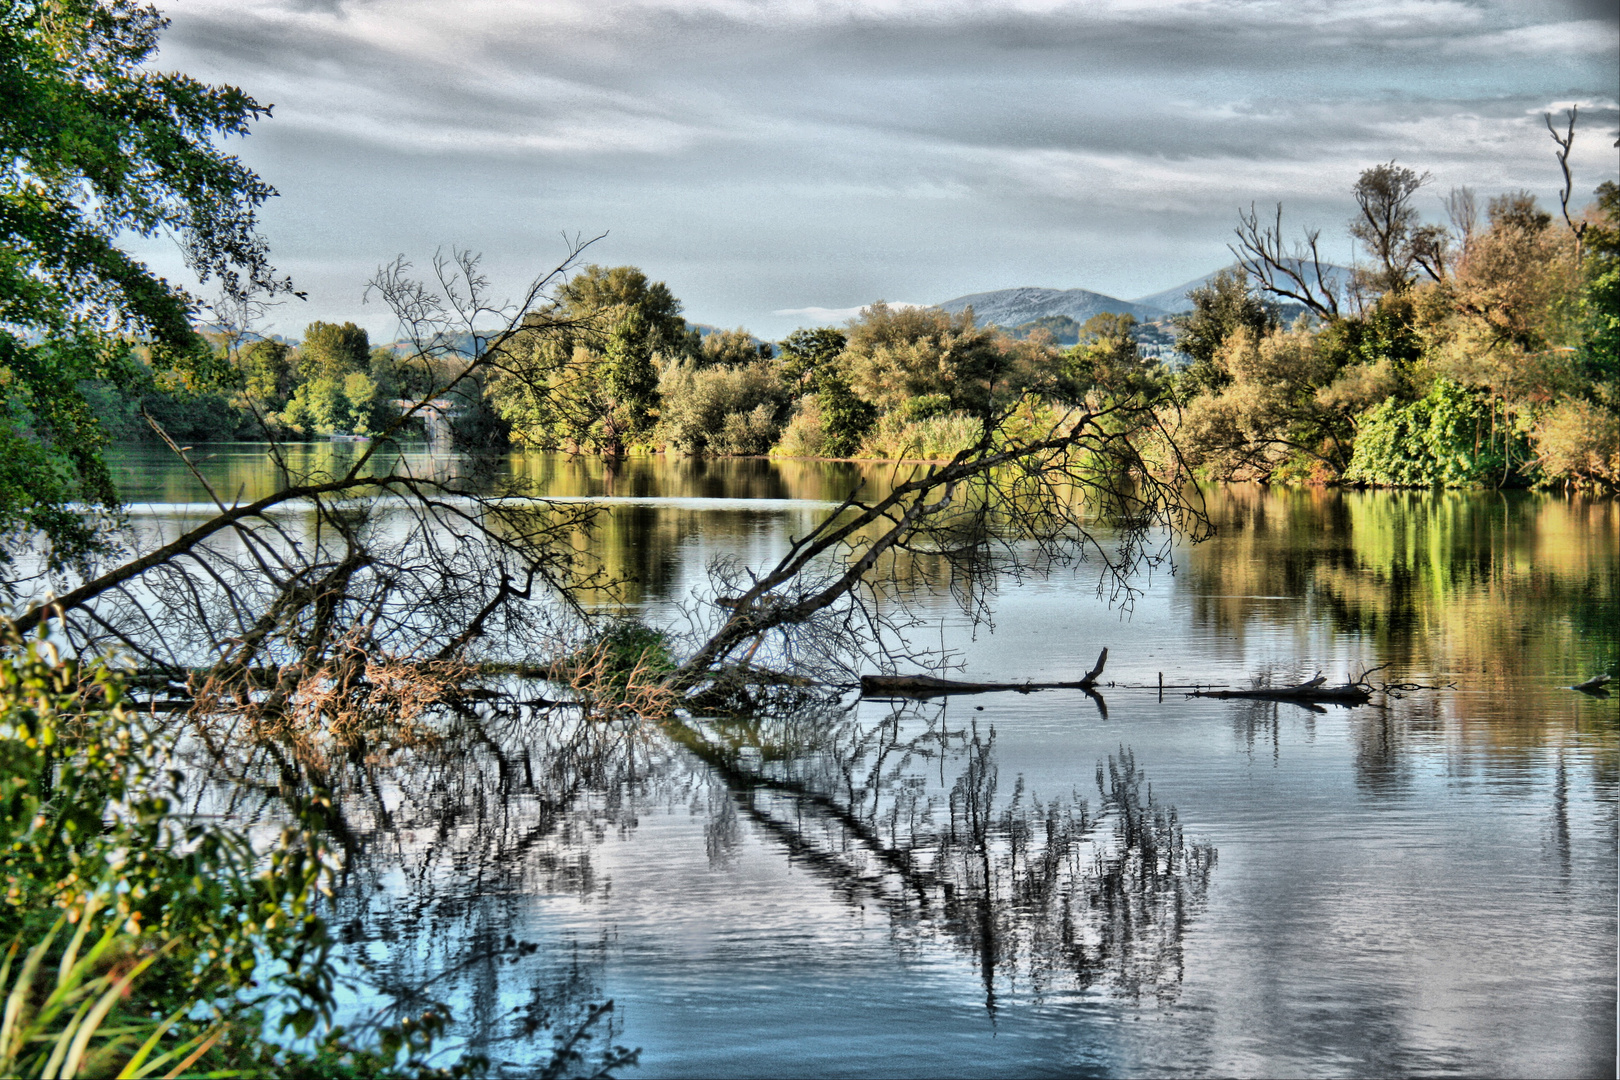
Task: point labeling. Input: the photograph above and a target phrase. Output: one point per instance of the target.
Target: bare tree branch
(1298, 275)
(1566, 143)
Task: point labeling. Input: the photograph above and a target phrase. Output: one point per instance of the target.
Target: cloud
(845, 314)
(755, 154)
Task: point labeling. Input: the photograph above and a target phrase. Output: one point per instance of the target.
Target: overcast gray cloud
(808, 157)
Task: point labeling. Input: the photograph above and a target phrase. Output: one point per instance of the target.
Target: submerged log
(1312, 690)
(927, 686)
(1594, 686)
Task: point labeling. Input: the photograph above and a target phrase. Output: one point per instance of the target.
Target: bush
(933, 438)
(722, 410)
(1443, 439)
(1578, 443)
(805, 434)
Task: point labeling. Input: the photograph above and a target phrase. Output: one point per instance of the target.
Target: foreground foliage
(95, 143)
(143, 939)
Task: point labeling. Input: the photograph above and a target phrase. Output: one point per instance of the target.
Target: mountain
(1014, 307)
(1175, 300)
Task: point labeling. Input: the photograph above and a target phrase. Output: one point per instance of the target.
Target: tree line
(1479, 352)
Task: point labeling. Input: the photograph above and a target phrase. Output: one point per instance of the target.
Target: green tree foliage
(334, 352)
(589, 381)
(95, 142)
(831, 419)
(147, 940)
(1600, 353)
(600, 297)
(734, 409)
(337, 393)
(90, 833)
(895, 355)
(1577, 440)
(1441, 440)
(1269, 416)
(629, 383)
(730, 348)
(1220, 308)
(1106, 357)
(1376, 356)
(1473, 354)
(810, 357)
(269, 373)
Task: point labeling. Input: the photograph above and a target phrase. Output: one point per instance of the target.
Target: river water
(997, 884)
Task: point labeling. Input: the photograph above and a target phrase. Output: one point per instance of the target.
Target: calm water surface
(1426, 886)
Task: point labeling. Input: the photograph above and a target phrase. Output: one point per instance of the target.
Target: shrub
(1443, 439)
(1578, 443)
(722, 410)
(805, 434)
(933, 438)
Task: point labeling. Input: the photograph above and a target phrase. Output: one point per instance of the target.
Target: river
(1424, 885)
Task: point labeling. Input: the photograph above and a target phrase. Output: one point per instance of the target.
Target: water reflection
(458, 854)
(1053, 893)
(1422, 885)
(246, 471)
(1498, 585)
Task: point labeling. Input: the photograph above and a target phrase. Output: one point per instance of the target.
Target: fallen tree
(927, 686)
(1311, 691)
(350, 613)
(1100, 483)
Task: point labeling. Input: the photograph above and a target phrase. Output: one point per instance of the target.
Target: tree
(1221, 307)
(1268, 416)
(587, 373)
(1387, 224)
(1566, 144)
(1298, 273)
(1601, 353)
(333, 351)
(1106, 356)
(1517, 275)
(731, 409)
(94, 143)
(730, 348)
(897, 355)
(809, 357)
(832, 420)
(269, 373)
(629, 383)
(600, 297)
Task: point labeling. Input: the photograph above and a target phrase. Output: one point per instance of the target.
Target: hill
(1014, 307)
(1175, 300)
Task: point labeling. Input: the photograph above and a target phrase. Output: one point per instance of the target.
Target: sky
(779, 163)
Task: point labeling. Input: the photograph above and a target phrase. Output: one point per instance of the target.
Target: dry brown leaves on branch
(362, 702)
(604, 690)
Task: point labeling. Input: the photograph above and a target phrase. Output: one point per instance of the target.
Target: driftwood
(927, 686)
(1312, 690)
(1594, 686)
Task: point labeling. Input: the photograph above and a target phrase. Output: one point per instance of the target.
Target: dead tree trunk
(927, 686)
(1311, 690)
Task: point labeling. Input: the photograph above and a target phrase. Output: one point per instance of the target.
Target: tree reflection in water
(1050, 893)
(450, 850)
(445, 849)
